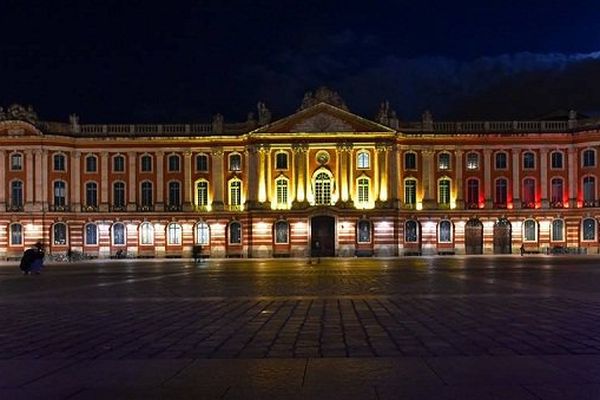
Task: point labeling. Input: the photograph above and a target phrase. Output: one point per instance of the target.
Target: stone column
(487, 178)
(429, 202)
(104, 181)
(34, 170)
(394, 176)
(132, 189)
(45, 195)
(299, 151)
(217, 179)
(573, 177)
(516, 178)
(3, 181)
(350, 174)
(160, 181)
(460, 190)
(343, 182)
(544, 177)
(263, 175)
(382, 170)
(75, 180)
(187, 181)
(252, 186)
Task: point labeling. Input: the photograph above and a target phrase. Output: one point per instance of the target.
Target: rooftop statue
(18, 112)
(323, 95)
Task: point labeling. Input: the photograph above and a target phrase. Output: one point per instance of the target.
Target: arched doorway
(502, 236)
(322, 229)
(474, 237)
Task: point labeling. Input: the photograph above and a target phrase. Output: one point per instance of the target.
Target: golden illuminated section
(262, 175)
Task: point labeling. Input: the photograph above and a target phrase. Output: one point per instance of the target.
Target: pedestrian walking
(197, 254)
(32, 261)
(317, 250)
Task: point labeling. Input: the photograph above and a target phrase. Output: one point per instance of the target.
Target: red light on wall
(509, 205)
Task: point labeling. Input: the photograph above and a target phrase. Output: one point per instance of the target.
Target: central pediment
(322, 118)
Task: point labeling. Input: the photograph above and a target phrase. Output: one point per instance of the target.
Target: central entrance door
(322, 229)
(502, 236)
(474, 237)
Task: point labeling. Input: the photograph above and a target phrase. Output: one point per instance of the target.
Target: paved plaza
(405, 328)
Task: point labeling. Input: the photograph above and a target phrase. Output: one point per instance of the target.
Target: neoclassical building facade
(263, 188)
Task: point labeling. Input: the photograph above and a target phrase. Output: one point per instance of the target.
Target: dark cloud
(508, 85)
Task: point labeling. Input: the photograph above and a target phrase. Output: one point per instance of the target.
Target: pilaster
(516, 177)
(187, 181)
(544, 177)
(217, 179)
(573, 176)
(2, 180)
(160, 181)
(460, 190)
(132, 189)
(75, 165)
(299, 150)
(487, 180)
(104, 181)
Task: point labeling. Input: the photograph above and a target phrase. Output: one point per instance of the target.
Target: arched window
(444, 161)
(362, 187)
(119, 195)
(174, 195)
(501, 160)
(472, 160)
(118, 163)
(411, 231)
(60, 194)
(362, 160)
(59, 162)
(281, 161)
(589, 191)
(528, 193)
(202, 163)
(118, 234)
(281, 188)
(173, 233)
(528, 160)
(235, 162)
(445, 231)
(147, 194)
(588, 226)
(410, 160)
(91, 194)
(146, 233)
(235, 193)
(59, 234)
(235, 233)
(146, 163)
(173, 163)
(202, 193)
(282, 229)
(556, 160)
(322, 189)
(556, 189)
(472, 193)
(530, 230)
(363, 231)
(16, 162)
(91, 235)
(410, 192)
(558, 229)
(202, 233)
(501, 192)
(444, 187)
(16, 234)
(16, 194)
(91, 164)
(589, 158)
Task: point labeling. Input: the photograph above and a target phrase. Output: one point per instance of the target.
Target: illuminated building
(259, 188)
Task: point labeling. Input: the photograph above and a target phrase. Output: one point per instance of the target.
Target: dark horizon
(139, 62)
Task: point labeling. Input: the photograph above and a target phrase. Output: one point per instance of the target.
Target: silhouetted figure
(33, 260)
(317, 251)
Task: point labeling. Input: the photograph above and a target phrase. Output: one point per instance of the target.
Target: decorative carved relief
(323, 95)
(18, 112)
(322, 123)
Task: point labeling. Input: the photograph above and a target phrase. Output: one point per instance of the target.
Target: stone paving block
(487, 370)
(263, 373)
(566, 392)
(15, 373)
(121, 373)
(409, 391)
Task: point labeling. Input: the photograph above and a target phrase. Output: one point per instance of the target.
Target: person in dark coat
(33, 259)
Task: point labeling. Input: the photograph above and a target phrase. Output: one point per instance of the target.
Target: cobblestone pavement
(362, 315)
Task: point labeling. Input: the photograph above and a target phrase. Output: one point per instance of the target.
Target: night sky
(131, 61)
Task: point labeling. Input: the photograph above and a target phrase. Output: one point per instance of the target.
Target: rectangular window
(444, 187)
(202, 163)
(444, 161)
(501, 161)
(282, 191)
(16, 162)
(472, 161)
(410, 192)
(557, 160)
